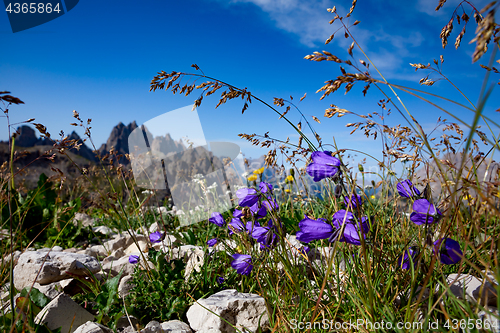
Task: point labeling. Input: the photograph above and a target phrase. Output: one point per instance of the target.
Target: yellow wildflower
(287, 190)
(259, 171)
(289, 178)
(252, 178)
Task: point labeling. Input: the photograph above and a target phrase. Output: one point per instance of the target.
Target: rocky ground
(51, 271)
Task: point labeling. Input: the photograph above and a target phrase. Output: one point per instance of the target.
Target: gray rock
(472, 288)
(242, 310)
(125, 286)
(16, 255)
(48, 249)
(103, 230)
(194, 257)
(141, 246)
(90, 327)
(96, 251)
(117, 243)
(85, 219)
(127, 322)
(175, 326)
(51, 290)
(46, 268)
(115, 266)
(63, 312)
(152, 327)
(490, 319)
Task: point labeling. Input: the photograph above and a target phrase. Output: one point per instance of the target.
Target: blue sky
(100, 57)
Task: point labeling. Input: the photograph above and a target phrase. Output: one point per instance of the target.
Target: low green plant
(27, 306)
(163, 293)
(101, 298)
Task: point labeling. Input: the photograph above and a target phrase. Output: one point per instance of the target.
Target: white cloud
(307, 19)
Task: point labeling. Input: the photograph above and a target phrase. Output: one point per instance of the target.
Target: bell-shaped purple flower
(247, 197)
(353, 201)
(404, 259)
(270, 203)
(242, 263)
(133, 259)
(258, 211)
(407, 190)
(313, 230)
(212, 242)
(323, 165)
(449, 251)
(351, 227)
(217, 219)
(251, 225)
(156, 237)
(265, 187)
(236, 225)
(424, 212)
(237, 213)
(266, 235)
(220, 280)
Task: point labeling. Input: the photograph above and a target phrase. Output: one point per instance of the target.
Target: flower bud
(338, 191)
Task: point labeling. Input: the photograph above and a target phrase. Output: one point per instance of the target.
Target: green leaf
(36, 297)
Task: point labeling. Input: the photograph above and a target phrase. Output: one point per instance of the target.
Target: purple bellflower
(247, 197)
(133, 259)
(265, 187)
(323, 165)
(217, 219)
(449, 251)
(351, 227)
(424, 212)
(353, 201)
(156, 237)
(406, 189)
(236, 225)
(404, 259)
(242, 263)
(313, 230)
(266, 236)
(258, 211)
(212, 242)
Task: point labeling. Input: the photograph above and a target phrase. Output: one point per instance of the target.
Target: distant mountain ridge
(118, 139)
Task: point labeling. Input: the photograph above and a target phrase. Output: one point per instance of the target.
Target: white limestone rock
(125, 286)
(114, 266)
(85, 219)
(63, 312)
(141, 246)
(51, 290)
(45, 268)
(103, 230)
(194, 257)
(90, 327)
(152, 327)
(175, 326)
(242, 310)
(473, 288)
